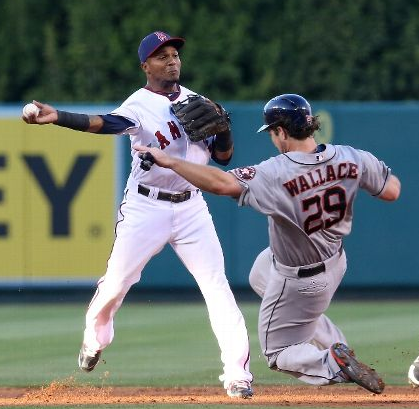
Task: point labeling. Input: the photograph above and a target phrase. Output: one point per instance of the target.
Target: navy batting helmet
(290, 109)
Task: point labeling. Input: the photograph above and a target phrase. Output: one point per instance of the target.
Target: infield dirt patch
(59, 393)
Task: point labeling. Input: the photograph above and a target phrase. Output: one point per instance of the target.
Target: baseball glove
(200, 117)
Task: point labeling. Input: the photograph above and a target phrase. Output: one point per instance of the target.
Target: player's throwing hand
(47, 115)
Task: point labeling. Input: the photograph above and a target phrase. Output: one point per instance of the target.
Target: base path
(329, 396)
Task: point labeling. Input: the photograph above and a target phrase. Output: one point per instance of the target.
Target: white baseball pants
(143, 228)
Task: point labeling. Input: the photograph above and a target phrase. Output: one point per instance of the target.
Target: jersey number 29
(333, 201)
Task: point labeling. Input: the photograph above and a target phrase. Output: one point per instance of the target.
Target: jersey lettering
(342, 170)
(303, 184)
(310, 180)
(322, 180)
(162, 140)
(314, 183)
(174, 130)
(292, 187)
(353, 171)
(330, 173)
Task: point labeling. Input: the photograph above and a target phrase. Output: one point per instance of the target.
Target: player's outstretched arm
(207, 178)
(392, 189)
(79, 122)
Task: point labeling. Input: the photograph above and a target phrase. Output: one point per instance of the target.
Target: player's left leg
(197, 245)
(291, 321)
(327, 333)
(290, 313)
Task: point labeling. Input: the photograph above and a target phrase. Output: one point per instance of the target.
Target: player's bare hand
(159, 157)
(47, 115)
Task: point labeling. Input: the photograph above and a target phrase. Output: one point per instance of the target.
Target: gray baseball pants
(294, 334)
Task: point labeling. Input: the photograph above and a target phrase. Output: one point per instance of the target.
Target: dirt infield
(59, 393)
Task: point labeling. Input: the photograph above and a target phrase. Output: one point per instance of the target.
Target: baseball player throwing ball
(307, 193)
(161, 207)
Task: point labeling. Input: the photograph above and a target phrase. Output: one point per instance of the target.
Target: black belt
(308, 271)
(166, 196)
(311, 271)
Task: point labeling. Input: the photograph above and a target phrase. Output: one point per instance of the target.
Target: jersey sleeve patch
(245, 173)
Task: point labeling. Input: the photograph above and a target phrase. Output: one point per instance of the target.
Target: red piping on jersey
(171, 96)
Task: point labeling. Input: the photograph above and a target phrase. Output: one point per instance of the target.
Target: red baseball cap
(154, 41)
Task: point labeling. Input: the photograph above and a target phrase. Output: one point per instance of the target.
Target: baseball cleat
(413, 374)
(356, 371)
(87, 359)
(240, 389)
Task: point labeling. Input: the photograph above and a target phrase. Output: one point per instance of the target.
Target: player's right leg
(292, 319)
(197, 245)
(287, 323)
(326, 332)
(142, 230)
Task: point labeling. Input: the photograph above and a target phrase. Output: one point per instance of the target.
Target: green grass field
(161, 344)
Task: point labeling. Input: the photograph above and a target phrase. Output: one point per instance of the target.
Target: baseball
(30, 109)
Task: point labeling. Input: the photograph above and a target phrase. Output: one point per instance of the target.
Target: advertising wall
(56, 202)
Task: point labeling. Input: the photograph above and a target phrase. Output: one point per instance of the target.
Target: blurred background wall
(86, 50)
(356, 61)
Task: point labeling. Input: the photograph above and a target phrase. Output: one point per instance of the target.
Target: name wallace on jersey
(320, 176)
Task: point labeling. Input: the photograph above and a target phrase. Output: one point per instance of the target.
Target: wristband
(223, 141)
(78, 122)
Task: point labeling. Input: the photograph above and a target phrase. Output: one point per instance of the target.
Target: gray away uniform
(308, 199)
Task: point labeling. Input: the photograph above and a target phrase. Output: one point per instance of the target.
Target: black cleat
(87, 362)
(356, 371)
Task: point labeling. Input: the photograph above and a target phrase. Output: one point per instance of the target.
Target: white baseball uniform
(146, 224)
(308, 198)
